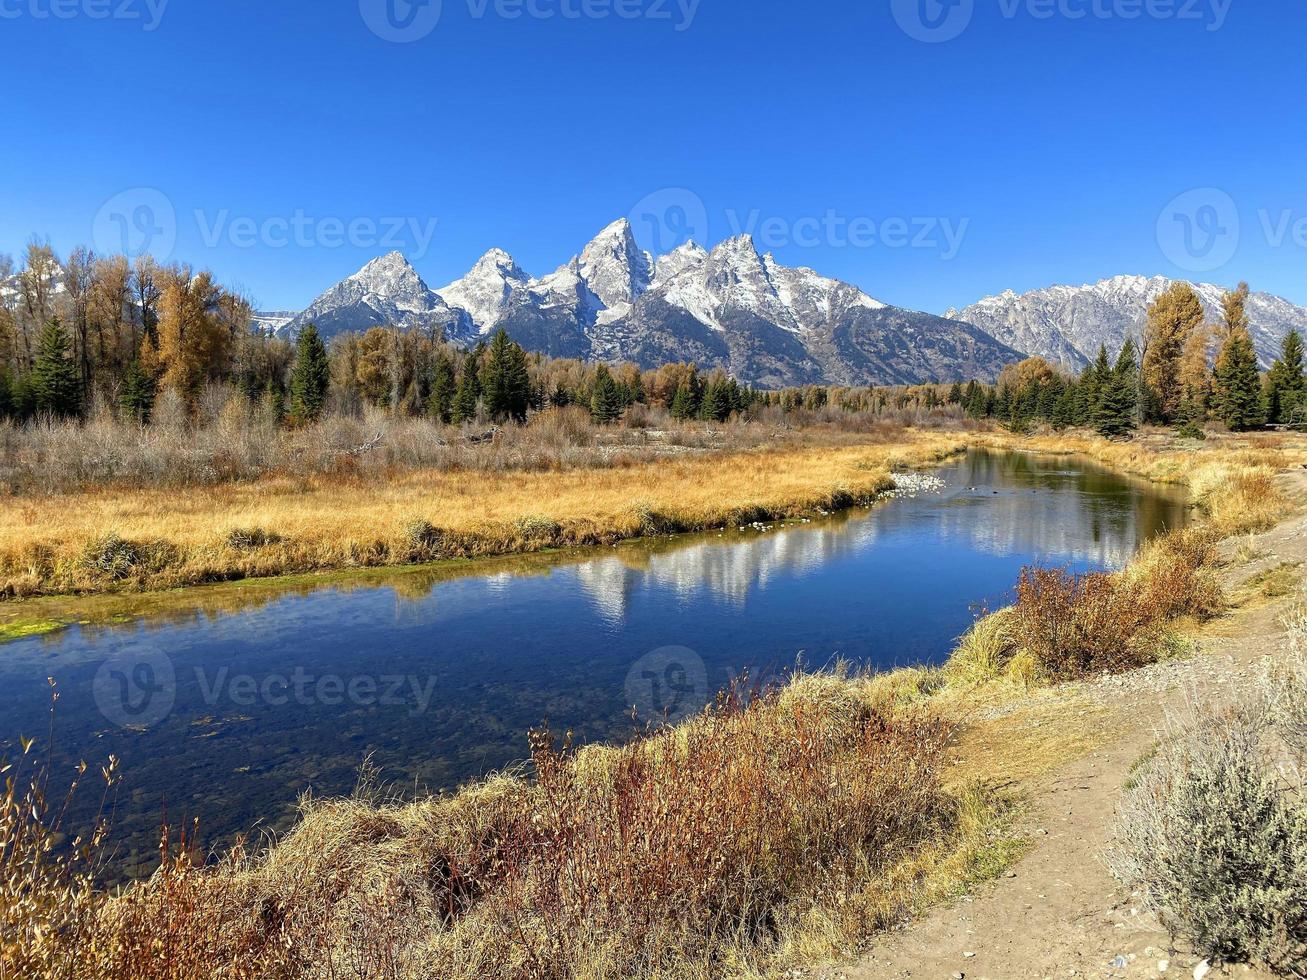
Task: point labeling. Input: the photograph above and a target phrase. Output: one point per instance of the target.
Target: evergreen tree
(605, 402)
(55, 384)
(137, 397)
(717, 405)
(1238, 394)
(1093, 382)
(1189, 420)
(6, 394)
(955, 393)
(467, 393)
(311, 378)
(685, 403)
(1119, 400)
(1286, 386)
(274, 399)
(507, 384)
(1065, 410)
(561, 396)
(22, 397)
(440, 400)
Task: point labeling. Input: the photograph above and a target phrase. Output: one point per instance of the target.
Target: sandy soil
(1058, 912)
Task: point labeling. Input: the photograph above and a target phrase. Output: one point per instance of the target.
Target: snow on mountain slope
(386, 291)
(271, 321)
(485, 290)
(729, 307)
(1066, 324)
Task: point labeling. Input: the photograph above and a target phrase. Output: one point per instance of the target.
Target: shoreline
(146, 541)
(48, 613)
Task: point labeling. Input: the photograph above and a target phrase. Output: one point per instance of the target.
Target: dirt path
(1059, 913)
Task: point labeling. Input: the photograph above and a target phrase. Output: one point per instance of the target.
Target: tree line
(1187, 374)
(103, 330)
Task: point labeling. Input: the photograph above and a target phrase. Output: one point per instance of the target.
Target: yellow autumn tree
(1172, 320)
(194, 341)
(1195, 374)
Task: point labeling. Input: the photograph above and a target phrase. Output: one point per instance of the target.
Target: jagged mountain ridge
(386, 291)
(731, 307)
(1066, 324)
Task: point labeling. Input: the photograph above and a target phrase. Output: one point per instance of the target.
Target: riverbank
(1070, 753)
(124, 540)
(764, 836)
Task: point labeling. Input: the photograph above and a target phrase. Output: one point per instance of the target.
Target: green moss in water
(22, 630)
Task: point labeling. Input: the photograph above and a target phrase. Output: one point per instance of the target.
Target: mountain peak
(484, 291)
(614, 267)
(390, 264)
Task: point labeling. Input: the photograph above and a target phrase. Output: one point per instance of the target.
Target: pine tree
(22, 397)
(1238, 394)
(1172, 319)
(467, 393)
(440, 400)
(6, 394)
(1093, 381)
(137, 397)
(717, 404)
(1188, 421)
(605, 402)
(685, 403)
(1119, 401)
(505, 379)
(55, 383)
(311, 378)
(1286, 386)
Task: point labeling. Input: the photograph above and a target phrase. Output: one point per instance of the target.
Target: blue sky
(1048, 141)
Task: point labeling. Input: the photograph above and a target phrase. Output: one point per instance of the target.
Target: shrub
(421, 539)
(112, 556)
(1074, 625)
(533, 527)
(1286, 688)
(1175, 575)
(1217, 844)
(245, 538)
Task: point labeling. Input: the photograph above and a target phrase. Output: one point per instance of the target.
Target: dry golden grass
(159, 538)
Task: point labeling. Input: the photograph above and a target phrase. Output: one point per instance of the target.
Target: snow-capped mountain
(385, 291)
(1066, 324)
(271, 321)
(730, 307)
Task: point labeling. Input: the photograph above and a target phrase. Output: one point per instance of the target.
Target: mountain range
(1065, 325)
(767, 324)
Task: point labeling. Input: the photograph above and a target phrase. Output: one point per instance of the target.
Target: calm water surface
(231, 710)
